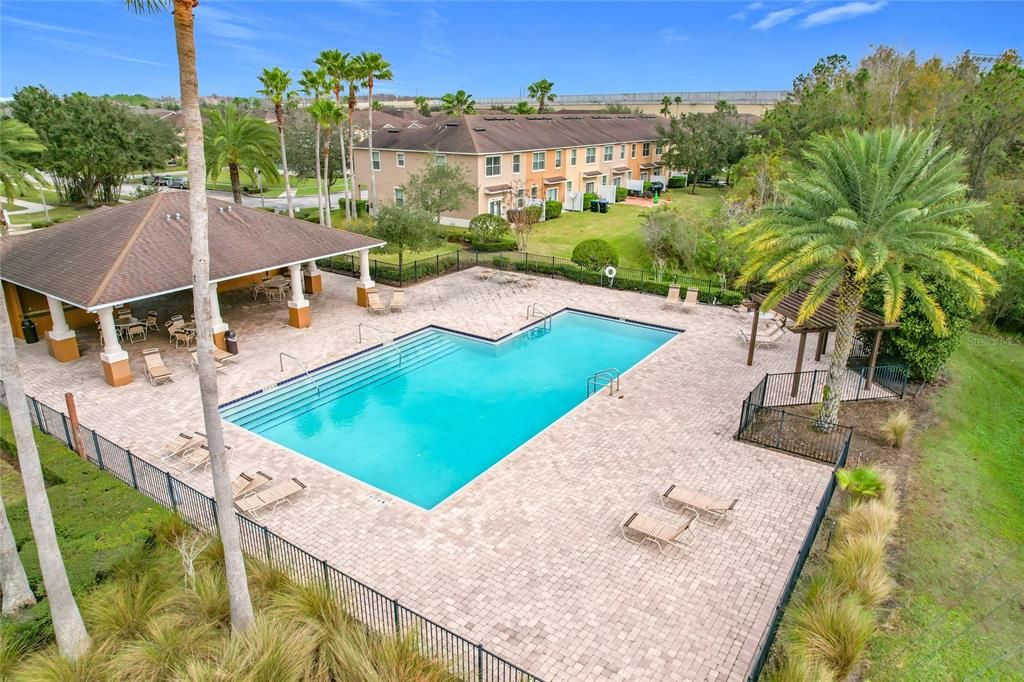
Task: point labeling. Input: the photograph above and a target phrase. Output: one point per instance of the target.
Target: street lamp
(259, 181)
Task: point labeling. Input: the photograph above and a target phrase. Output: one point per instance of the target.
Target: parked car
(177, 182)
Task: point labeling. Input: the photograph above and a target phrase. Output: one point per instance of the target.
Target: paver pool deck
(527, 559)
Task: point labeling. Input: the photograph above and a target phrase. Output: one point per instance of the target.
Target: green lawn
(962, 570)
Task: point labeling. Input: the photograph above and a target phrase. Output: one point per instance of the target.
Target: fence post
(458, 260)
(39, 416)
(480, 662)
(398, 622)
(67, 432)
(99, 455)
(266, 541)
(131, 469)
(170, 492)
(437, 264)
(643, 273)
(814, 383)
(327, 575)
(778, 438)
(860, 382)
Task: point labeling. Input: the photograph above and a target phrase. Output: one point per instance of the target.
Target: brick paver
(527, 558)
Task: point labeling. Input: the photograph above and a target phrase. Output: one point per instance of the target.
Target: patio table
(121, 325)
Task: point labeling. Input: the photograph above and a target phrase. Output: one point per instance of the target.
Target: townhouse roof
(143, 248)
(483, 134)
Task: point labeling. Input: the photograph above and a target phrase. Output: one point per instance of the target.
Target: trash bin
(603, 204)
(231, 341)
(29, 331)
(594, 205)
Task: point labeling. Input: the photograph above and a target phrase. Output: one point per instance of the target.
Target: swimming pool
(424, 416)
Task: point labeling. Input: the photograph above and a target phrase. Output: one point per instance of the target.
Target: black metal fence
(628, 279)
(382, 614)
(806, 388)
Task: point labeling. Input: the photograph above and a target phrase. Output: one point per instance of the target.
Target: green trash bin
(594, 206)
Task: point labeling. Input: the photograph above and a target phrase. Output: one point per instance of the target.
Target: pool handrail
(280, 359)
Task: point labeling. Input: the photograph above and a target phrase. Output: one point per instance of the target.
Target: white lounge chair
(397, 302)
(178, 446)
(770, 338)
(246, 483)
(677, 499)
(273, 497)
(156, 370)
(644, 528)
(374, 304)
(672, 299)
(690, 302)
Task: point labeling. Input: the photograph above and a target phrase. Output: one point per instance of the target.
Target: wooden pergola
(821, 322)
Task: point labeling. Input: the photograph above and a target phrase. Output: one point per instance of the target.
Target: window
(521, 196)
(629, 175)
(538, 161)
(591, 154)
(440, 159)
(376, 161)
(492, 166)
(647, 149)
(609, 152)
(589, 188)
(552, 194)
(533, 192)
(568, 186)
(516, 162)
(604, 180)
(558, 158)
(617, 180)
(399, 196)
(643, 176)
(659, 148)
(400, 159)
(572, 157)
(622, 151)
(494, 206)
(632, 151)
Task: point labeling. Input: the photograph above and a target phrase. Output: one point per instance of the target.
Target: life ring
(610, 272)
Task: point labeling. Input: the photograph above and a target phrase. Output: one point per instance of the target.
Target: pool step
(375, 368)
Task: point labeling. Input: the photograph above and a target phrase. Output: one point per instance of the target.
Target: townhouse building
(515, 157)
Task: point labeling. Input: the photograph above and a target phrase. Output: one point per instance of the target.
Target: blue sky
(489, 49)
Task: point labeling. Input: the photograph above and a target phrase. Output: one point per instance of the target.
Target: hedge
(362, 206)
(552, 209)
(99, 522)
(621, 193)
(594, 253)
(677, 181)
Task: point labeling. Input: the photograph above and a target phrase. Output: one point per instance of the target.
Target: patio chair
(690, 303)
(644, 528)
(258, 289)
(221, 355)
(397, 302)
(194, 361)
(156, 370)
(677, 499)
(151, 321)
(672, 299)
(272, 497)
(373, 303)
(507, 278)
(246, 483)
(178, 446)
(135, 332)
(769, 338)
(198, 458)
(485, 274)
(183, 335)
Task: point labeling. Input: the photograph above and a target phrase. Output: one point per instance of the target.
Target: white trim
(506, 151)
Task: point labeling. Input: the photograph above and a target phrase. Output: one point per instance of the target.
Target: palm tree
(523, 108)
(666, 105)
(242, 143)
(17, 593)
(372, 67)
(276, 82)
(353, 75)
(423, 104)
(337, 65)
(327, 114)
(227, 522)
(315, 84)
(72, 638)
(678, 102)
(18, 142)
(541, 91)
(458, 104)
(868, 210)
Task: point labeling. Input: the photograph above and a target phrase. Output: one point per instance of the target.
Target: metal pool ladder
(537, 310)
(280, 359)
(606, 377)
(386, 341)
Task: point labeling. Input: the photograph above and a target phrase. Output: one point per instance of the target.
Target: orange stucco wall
(22, 303)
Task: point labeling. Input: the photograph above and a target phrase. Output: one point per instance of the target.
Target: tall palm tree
(337, 65)
(327, 115)
(678, 100)
(541, 91)
(372, 67)
(18, 142)
(355, 80)
(227, 522)
(17, 593)
(458, 103)
(666, 105)
(72, 638)
(242, 143)
(868, 210)
(423, 105)
(276, 82)
(314, 84)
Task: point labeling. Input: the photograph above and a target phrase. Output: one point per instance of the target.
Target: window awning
(591, 174)
(556, 180)
(650, 166)
(497, 189)
(620, 169)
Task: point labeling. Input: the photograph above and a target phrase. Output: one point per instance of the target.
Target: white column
(312, 269)
(298, 301)
(112, 351)
(61, 330)
(364, 269)
(218, 323)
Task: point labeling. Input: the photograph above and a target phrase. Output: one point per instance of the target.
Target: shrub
(587, 198)
(311, 215)
(621, 193)
(860, 482)
(677, 182)
(458, 235)
(647, 186)
(487, 228)
(897, 428)
(37, 224)
(490, 247)
(730, 297)
(594, 254)
(874, 518)
(831, 628)
(857, 562)
(552, 209)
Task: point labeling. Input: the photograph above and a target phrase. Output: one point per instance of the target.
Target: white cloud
(226, 24)
(775, 18)
(743, 13)
(93, 50)
(672, 36)
(850, 10)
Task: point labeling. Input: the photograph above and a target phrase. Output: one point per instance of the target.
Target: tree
(327, 115)
(340, 69)
(227, 521)
(458, 103)
(678, 102)
(314, 84)
(701, 143)
(242, 143)
(523, 108)
(423, 105)
(405, 228)
(440, 188)
(666, 106)
(488, 228)
(300, 136)
(19, 149)
(521, 217)
(372, 67)
(276, 82)
(542, 92)
(868, 210)
(17, 593)
(72, 637)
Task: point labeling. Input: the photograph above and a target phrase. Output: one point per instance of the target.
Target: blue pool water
(422, 428)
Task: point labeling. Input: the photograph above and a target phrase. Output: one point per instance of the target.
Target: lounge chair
(644, 528)
(672, 299)
(485, 274)
(771, 337)
(507, 278)
(156, 370)
(374, 304)
(195, 459)
(246, 483)
(272, 497)
(690, 303)
(182, 443)
(397, 302)
(677, 499)
(217, 364)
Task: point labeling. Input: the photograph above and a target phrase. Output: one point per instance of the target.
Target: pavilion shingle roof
(824, 318)
(142, 248)
(482, 134)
